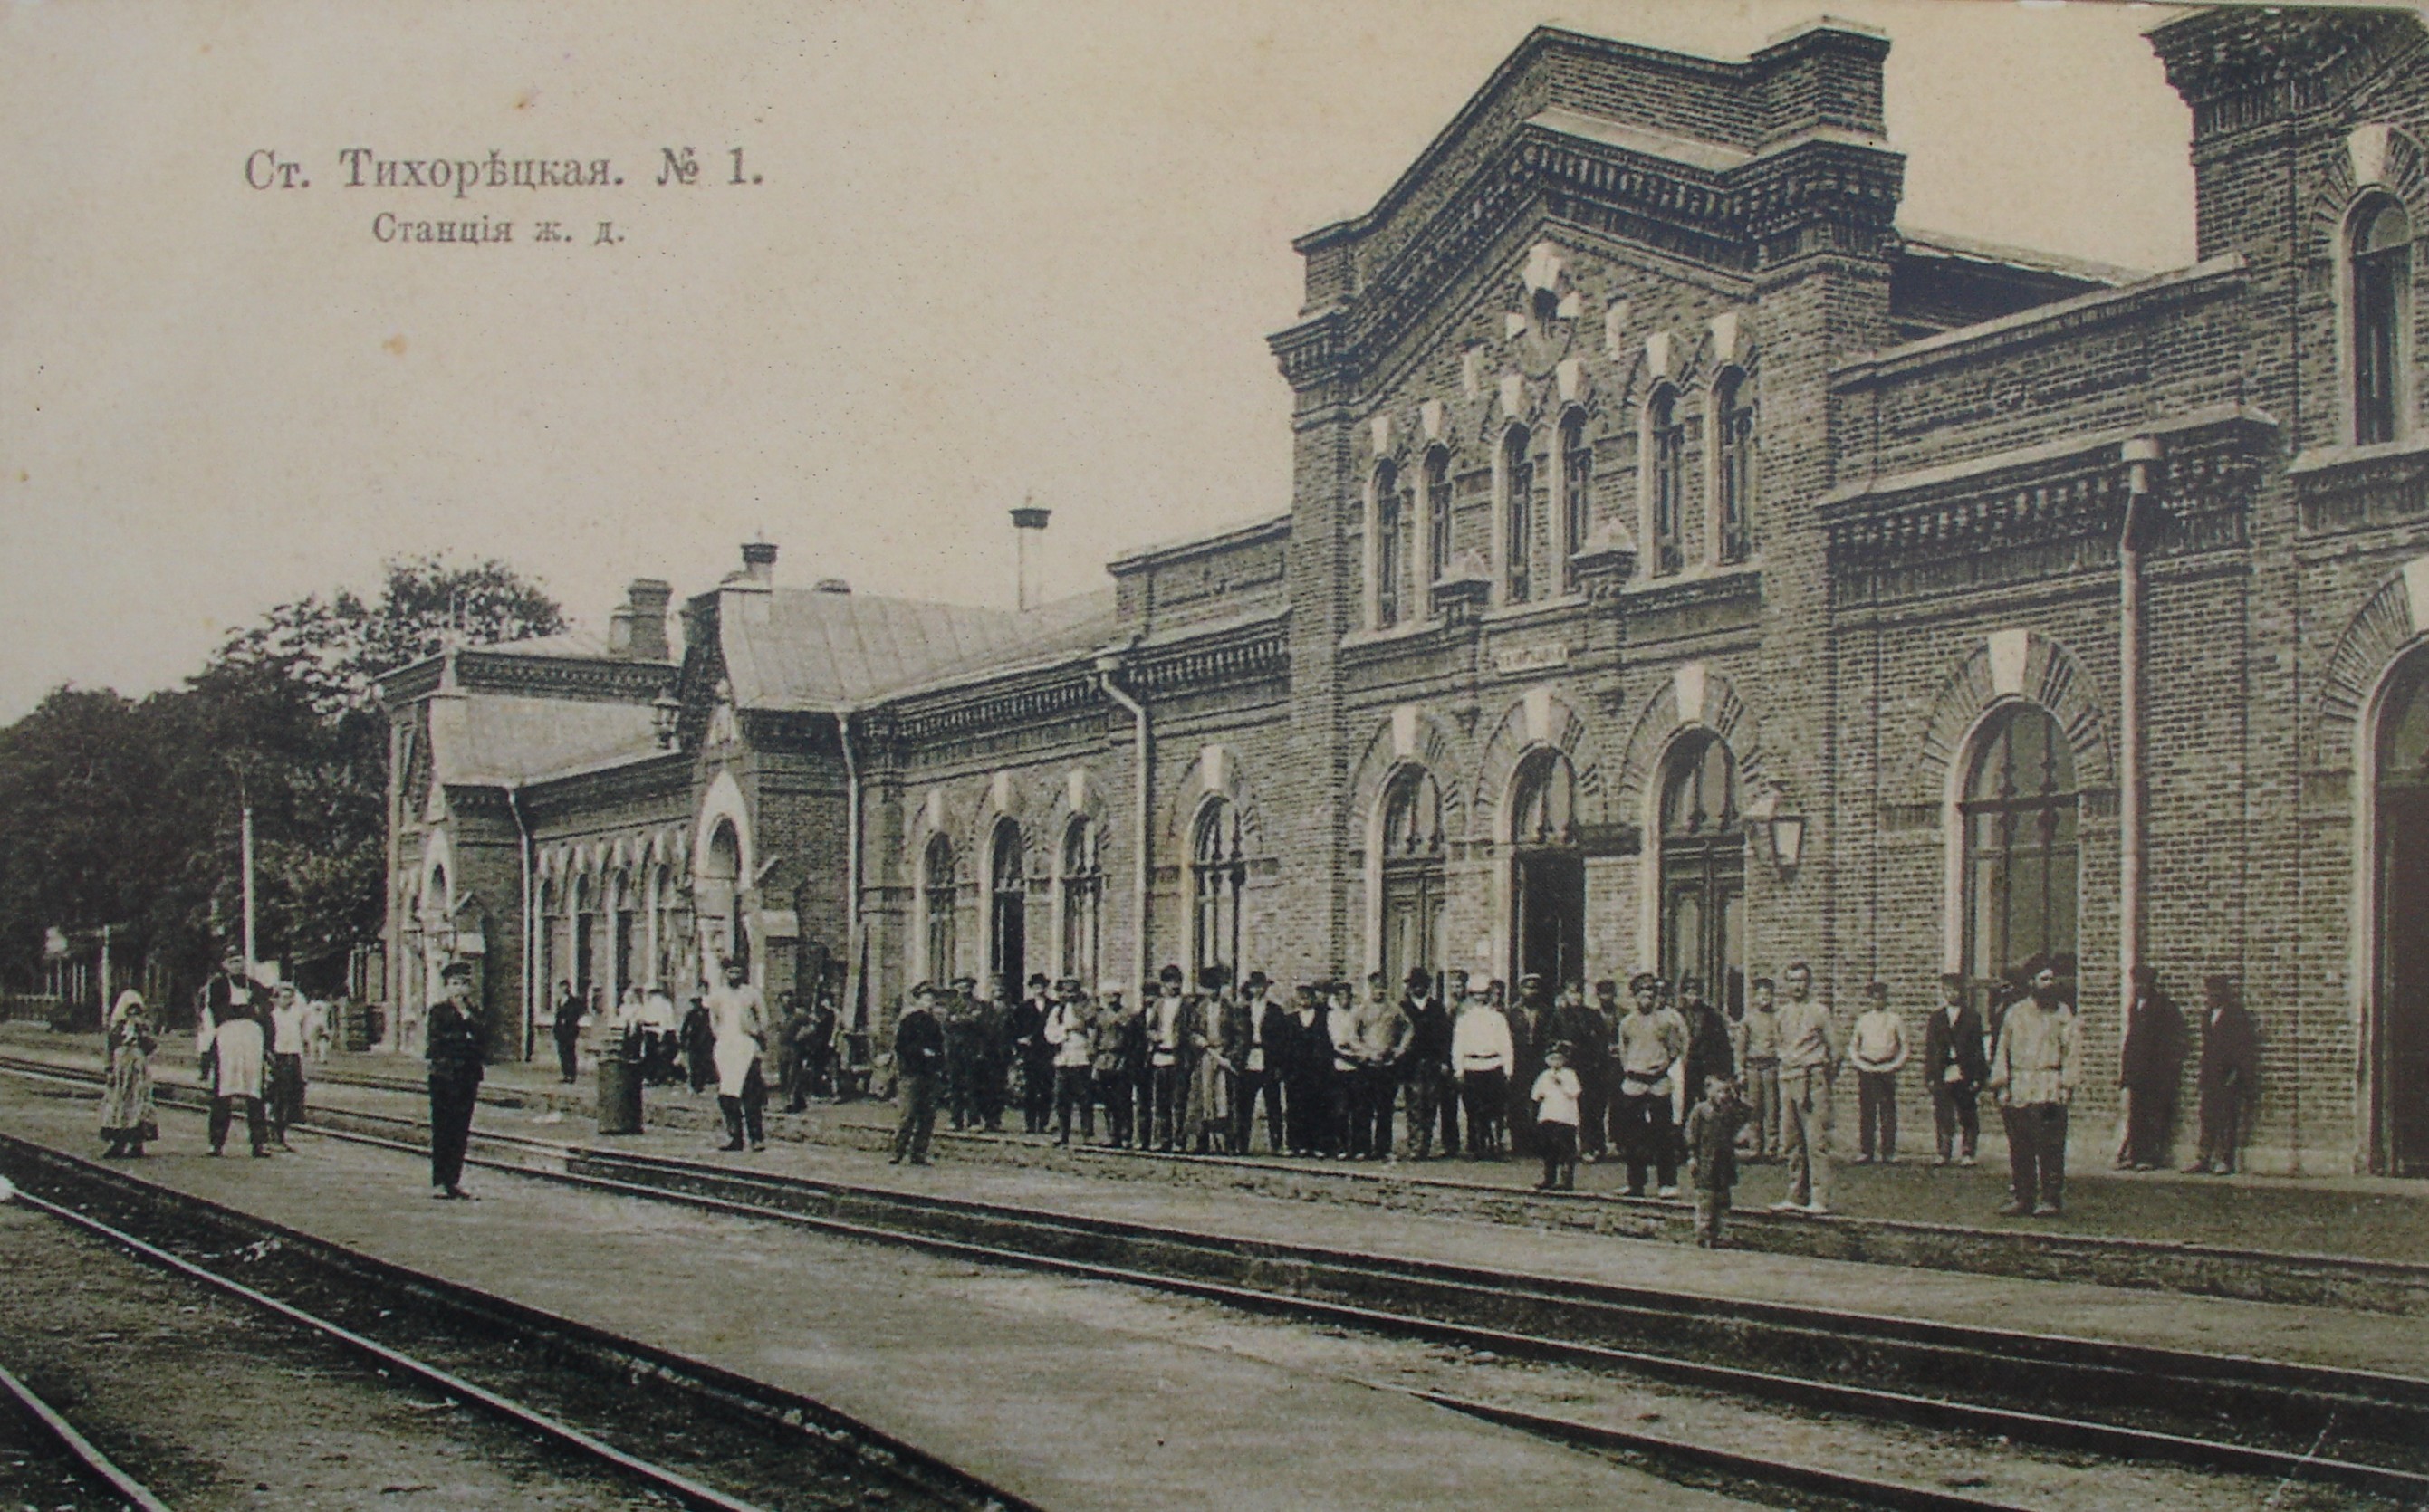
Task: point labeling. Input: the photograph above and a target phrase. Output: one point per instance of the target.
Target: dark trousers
(1379, 1087)
(1642, 1127)
(1430, 1098)
(565, 1046)
(1170, 1085)
(224, 1110)
(747, 1113)
(1558, 1143)
(1303, 1114)
(1955, 1114)
(452, 1101)
(1487, 1095)
(1876, 1114)
(2037, 1153)
(2222, 1125)
(2149, 1111)
(1074, 1088)
(1116, 1089)
(1249, 1086)
(286, 1094)
(1593, 1109)
(1036, 1092)
(1350, 1122)
(919, 1123)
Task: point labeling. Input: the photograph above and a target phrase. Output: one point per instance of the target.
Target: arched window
(662, 930)
(1413, 874)
(937, 891)
(1008, 912)
(1083, 892)
(2021, 876)
(719, 893)
(1667, 434)
(1218, 870)
(2381, 291)
(1548, 872)
(1437, 487)
(1517, 516)
(585, 941)
(1733, 465)
(1702, 867)
(627, 932)
(1391, 546)
(2398, 1059)
(1576, 496)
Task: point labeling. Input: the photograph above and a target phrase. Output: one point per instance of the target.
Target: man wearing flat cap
(456, 1045)
(1168, 1056)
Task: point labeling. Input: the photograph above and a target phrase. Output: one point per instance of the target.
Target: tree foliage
(126, 813)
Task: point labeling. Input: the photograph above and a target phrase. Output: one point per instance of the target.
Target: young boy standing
(1555, 1096)
(1711, 1139)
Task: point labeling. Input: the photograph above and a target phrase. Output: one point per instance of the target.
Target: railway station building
(1690, 565)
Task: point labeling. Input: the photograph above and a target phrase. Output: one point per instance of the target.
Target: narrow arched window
(1518, 517)
(1391, 546)
(1734, 464)
(1667, 436)
(1576, 496)
(1437, 487)
(2382, 289)
(1217, 872)
(936, 888)
(2022, 872)
(1083, 890)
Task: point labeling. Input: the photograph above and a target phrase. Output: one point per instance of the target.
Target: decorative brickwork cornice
(2344, 488)
(2240, 66)
(566, 677)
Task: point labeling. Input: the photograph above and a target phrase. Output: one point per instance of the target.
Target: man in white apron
(737, 1024)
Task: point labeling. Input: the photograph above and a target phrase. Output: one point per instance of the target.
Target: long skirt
(127, 1109)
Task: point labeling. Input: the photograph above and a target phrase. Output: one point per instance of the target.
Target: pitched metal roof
(809, 649)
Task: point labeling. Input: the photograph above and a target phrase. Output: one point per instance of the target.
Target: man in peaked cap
(1034, 1056)
(456, 1045)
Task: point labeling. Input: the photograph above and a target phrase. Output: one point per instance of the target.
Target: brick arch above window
(1540, 718)
(1008, 795)
(2008, 663)
(2389, 621)
(1213, 772)
(1416, 736)
(1697, 696)
(923, 820)
(2377, 159)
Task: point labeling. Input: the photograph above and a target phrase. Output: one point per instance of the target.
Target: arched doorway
(2022, 868)
(1547, 871)
(724, 933)
(1218, 870)
(2400, 1029)
(1008, 913)
(1412, 843)
(1702, 867)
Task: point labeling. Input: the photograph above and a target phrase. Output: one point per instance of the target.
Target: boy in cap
(1555, 1100)
(1713, 1157)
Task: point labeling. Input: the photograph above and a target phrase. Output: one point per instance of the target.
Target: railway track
(55, 1431)
(511, 1341)
(2123, 1403)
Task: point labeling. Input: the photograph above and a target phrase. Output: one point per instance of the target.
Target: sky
(984, 251)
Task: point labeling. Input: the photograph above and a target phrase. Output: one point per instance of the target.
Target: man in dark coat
(1264, 1033)
(1709, 1053)
(918, 1062)
(2148, 1065)
(964, 1057)
(1955, 1065)
(456, 1047)
(1426, 1068)
(1307, 1073)
(1027, 1026)
(567, 1030)
(992, 1035)
(2230, 1076)
(1527, 1041)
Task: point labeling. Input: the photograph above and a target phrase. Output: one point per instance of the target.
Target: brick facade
(1946, 442)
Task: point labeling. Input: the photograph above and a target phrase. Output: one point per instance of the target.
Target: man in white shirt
(737, 1023)
(286, 1026)
(1877, 1047)
(1480, 1051)
(1166, 1057)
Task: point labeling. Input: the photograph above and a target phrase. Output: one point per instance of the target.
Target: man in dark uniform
(1306, 1069)
(1709, 1054)
(567, 1030)
(962, 1057)
(1264, 1026)
(1036, 1058)
(1527, 1041)
(2230, 1074)
(1426, 1068)
(2148, 1065)
(459, 1047)
(918, 1060)
(1597, 1045)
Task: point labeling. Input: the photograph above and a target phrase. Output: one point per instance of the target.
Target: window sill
(1405, 630)
(1700, 573)
(1504, 614)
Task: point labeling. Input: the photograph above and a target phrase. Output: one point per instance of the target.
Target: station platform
(1050, 1389)
(2352, 1217)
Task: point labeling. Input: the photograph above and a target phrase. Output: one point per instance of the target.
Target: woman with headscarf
(129, 1120)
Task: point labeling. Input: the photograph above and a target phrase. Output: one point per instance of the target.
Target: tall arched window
(936, 895)
(585, 937)
(1218, 870)
(1703, 866)
(1413, 874)
(1391, 546)
(2398, 1061)
(1008, 912)
(1666, 435)
(2381, 291)
(1083, 892)
(1733, 465)
(1547, 873)
(1576, 496)
(1437, 485)
(2022, 877)
(1517, 516)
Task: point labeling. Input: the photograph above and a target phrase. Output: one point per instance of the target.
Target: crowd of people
(252, 1040)
(1662, 1083)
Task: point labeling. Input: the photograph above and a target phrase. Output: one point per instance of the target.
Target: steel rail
(767, 1403)
(95, 1464)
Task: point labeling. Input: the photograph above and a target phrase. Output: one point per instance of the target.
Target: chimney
(1027, 520)
(759, 561)
(637, 630)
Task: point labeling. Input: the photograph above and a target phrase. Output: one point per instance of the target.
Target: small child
(1556, 1094)
(1711, 1139)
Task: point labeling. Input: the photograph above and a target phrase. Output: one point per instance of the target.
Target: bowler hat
(1170, 974)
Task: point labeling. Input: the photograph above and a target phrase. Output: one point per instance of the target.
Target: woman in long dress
(128, 1118)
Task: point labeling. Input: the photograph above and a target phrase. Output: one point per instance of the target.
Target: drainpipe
(1109, 665)
(531, 951)
(2141, 455)
(850, 845)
